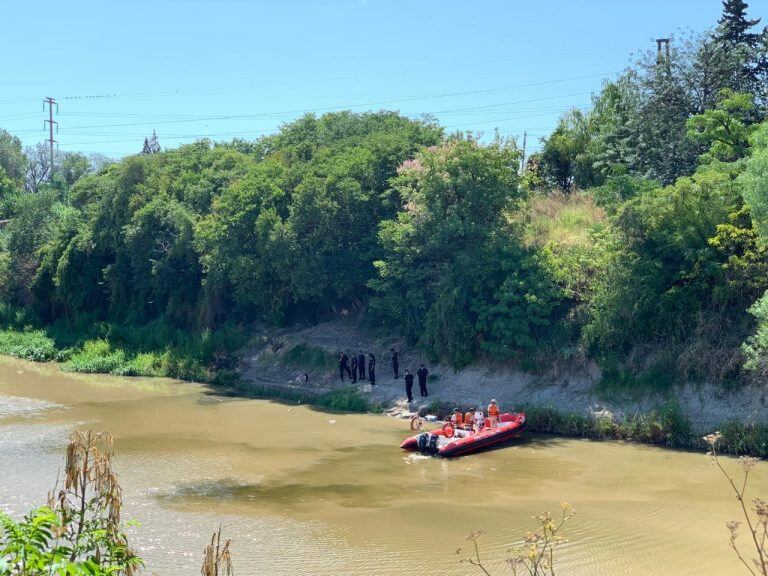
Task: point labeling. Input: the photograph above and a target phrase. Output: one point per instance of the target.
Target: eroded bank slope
(281, 358)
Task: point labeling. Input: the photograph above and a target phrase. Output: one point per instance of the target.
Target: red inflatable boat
(449, 442)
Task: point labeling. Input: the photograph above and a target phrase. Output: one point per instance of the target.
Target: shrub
(32, 345)
(308, 356)
(96, 356)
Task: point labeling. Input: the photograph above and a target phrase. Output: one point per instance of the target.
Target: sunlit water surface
(306, 492)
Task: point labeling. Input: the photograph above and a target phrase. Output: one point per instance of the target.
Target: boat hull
(510, 425)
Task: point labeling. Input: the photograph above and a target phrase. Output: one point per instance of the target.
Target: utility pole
(522, 161)
(51, 102)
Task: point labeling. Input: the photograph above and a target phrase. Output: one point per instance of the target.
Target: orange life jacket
(469, 418)
(493, 410)
(458, 419)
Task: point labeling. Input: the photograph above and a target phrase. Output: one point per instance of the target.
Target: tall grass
(154, 349)
(563, 220)
(666, 426)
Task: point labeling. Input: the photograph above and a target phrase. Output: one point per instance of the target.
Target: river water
(307, 492)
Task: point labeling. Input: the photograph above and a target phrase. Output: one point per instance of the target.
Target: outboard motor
(423, 442)
(433, 444)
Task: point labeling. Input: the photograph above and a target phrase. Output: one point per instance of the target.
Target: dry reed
(217, 558)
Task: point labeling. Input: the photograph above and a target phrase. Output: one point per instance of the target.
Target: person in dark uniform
(408, 385)
(354, 369)
(360, 365)
(372, 368)
(396, 362)
(344, 365)
(422, 373)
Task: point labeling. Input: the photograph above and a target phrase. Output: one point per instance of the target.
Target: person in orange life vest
(457, 419)
(469, 420)
(493, 414)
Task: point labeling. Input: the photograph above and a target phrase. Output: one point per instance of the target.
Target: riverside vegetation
(638, 236)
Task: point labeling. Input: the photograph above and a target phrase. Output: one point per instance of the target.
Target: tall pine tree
(151, 145)
(734, 38)
(733, 27)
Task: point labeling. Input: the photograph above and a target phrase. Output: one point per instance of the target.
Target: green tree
(245, 252)
(686, 266)
(296, 237)
(38, 167)
(565, 159)
(755, 185)
(8, 191)
(724, 130)
(755, 181)
(614, 144)
(455, 277)
(72, 166)
(12, 159)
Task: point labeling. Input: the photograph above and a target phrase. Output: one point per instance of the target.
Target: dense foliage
(455, 275)
(638, 236)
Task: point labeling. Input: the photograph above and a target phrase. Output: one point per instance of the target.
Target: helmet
(493, 401)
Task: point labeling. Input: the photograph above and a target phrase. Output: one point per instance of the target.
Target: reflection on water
(301, 495)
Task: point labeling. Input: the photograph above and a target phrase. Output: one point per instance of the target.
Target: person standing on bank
(360, 365)
(344, 365)
(372, 368)
(408, 385)
(354, 369)
(422, 373)
(396, 363)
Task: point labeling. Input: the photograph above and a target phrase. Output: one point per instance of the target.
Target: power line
(330, 108)
(259, 131)
(19, 115)
(519, 113)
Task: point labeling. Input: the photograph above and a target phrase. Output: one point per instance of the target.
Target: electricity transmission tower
(51, 102)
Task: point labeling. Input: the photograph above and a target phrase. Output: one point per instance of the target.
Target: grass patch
(563, 220)
(434, 407)
(659, 378)
(665, 425)
(309, 357)
(342, 400)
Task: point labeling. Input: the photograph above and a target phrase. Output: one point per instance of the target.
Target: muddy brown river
(307, 492)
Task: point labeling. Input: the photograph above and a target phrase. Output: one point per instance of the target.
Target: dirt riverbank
(281, 358)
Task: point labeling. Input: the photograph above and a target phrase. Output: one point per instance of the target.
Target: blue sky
(227, 68)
